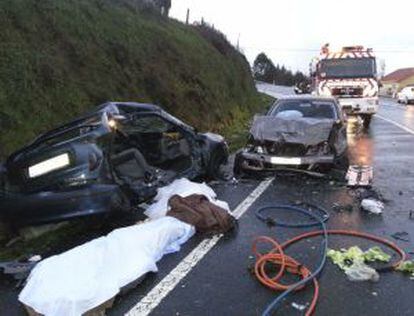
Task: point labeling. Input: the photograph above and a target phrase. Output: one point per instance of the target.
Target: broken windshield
(304, 108)
(348, 68)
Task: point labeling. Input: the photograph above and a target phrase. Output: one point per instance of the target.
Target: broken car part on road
(297, 131)
(106, 161)
(360, 176)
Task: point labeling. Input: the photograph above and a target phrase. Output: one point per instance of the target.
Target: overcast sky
(291, 32)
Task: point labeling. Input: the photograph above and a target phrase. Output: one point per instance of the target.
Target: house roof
(399, 75)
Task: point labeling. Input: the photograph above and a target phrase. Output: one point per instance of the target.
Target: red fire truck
(350, 75)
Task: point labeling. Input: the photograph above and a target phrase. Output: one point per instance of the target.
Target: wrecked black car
(300, 132)
(109, 160)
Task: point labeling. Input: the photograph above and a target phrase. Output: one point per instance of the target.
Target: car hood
(306, 131)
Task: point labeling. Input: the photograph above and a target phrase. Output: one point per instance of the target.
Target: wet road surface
(221, 283)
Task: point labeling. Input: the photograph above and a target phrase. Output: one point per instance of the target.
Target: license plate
(285, 161)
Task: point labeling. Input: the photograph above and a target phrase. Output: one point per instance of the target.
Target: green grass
(60, 58)
(237, 131)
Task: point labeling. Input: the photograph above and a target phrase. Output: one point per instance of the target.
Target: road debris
(353, 262)
(299, 307)
(361, 272)
(403, 236)
(360, 176)
(372, 206)
(406, 267)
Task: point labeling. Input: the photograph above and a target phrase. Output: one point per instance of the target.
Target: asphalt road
(211, 277)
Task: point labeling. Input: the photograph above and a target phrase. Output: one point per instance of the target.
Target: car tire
(237, 168)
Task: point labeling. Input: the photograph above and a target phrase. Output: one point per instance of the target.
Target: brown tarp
(198, 211)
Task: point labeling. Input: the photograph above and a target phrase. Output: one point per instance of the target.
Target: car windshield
(304, 108)
(348, 68)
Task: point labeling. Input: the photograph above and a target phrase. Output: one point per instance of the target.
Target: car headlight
(49, 165)
(321, 149)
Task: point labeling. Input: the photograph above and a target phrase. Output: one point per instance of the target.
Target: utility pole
(187, 20)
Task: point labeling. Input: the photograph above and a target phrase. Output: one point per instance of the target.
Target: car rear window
(304, 108)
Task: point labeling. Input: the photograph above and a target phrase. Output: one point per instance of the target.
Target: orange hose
(287, 264)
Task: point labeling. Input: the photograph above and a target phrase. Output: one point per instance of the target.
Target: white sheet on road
(83, 278)
(182, 187)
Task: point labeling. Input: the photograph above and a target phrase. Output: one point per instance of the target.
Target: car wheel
(237, 168)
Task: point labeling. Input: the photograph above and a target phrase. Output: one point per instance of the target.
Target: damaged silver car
(302, 132)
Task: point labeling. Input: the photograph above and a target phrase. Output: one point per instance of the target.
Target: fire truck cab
(349, 75)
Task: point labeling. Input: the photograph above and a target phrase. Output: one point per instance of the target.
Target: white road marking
(405, 128)
(166, 285)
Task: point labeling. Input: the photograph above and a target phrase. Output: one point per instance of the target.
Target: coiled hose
(288, 264)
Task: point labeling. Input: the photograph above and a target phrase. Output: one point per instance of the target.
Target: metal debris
(360, 175)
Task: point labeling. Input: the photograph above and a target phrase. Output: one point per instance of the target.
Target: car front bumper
(47, 207)
(255, 161)
(359, 105)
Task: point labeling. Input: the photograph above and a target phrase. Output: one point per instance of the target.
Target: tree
(264, 69)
